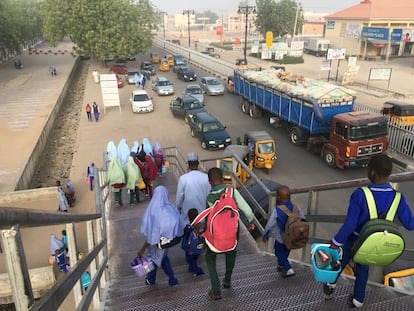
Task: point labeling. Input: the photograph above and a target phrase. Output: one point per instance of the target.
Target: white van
(141, 102)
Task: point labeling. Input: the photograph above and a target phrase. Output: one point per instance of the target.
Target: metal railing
(95, 260)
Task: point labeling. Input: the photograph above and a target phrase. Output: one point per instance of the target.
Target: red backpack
(222, 223)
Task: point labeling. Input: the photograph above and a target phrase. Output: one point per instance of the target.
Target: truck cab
(316, 46)
(354, 138)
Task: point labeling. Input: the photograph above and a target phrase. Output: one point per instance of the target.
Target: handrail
(27, 218)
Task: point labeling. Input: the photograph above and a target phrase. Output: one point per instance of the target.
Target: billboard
(375, 33)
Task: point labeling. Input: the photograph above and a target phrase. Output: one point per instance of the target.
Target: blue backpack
(192, 243)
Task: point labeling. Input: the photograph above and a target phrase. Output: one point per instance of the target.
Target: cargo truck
(316, 113)
(316, 46)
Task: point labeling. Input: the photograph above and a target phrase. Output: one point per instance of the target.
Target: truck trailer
(316, 113)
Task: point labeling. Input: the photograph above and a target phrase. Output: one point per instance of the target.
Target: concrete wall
(32, 160)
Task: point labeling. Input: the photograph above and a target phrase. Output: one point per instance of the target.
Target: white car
(141, 102)
(195, 91)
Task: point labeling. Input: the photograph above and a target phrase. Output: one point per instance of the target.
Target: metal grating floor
(256, 286)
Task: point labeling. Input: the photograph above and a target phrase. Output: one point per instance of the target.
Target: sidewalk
(27, 96)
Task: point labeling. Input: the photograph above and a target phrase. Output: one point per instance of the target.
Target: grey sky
(218, 6)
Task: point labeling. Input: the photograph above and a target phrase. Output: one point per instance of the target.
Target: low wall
(31, 163)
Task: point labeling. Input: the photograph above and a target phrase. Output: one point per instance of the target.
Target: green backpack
(379, 243)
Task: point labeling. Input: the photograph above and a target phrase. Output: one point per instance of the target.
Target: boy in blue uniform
(277, 222)
(379, 169)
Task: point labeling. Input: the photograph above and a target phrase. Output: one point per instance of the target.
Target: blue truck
(316, 113)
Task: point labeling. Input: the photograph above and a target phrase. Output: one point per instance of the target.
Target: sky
(222, 6)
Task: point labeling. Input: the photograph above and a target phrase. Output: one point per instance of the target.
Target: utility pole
(188, 12)
(246, 9)
(163, 24)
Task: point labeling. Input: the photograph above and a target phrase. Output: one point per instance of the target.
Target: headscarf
(123, 152)
(157, 147)
(111, 150)
(55, 244)
(147, 146)
(135, 147)
(133, 174)
(161, 218)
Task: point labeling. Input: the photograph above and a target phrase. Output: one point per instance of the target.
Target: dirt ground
(59, 151)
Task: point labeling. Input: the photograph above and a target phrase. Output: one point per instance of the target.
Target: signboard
(266, 52)
(350, 75)
(109, 90)
(353, 31)
(297, 45)
(219, 30)
(325, 65)
(335, 54)
(380, 73)
(330, 25)
(396, 34)
(279, 54)
(269, 39)
(255, 47)
(352, 61)
(375, 33)
(407, 35)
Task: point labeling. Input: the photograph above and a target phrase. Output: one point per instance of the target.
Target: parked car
(186, 74)
(120, 69)
(141, 102)
(129, 75)
(196, 91)
(119, 60)
(209, 131)
(148, 66)
(178, 66)
(212, 86)
(119, 81)
(186, 106)
(162, 86)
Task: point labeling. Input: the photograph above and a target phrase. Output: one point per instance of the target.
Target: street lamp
(188, 12)
(163, 22)
(246, 9)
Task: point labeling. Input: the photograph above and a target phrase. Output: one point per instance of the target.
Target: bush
(285, 60)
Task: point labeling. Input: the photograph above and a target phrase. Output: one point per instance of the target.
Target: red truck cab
(354, 138)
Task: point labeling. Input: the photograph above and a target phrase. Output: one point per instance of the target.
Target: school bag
(379, 243)
(296, 232)
(222, 223)
(152, 167)
(192, 243)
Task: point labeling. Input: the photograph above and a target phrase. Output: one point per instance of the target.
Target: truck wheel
(255, 112)
(329, 157)
(203, 145)
(296, 136)
(245, 106)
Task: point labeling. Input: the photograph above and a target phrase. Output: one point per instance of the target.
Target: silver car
(212, 86)
(195, 91)
(162, 86)
(130, 74)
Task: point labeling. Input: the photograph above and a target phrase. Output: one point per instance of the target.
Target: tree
(19, 23)
(278, 17)
(101, 27)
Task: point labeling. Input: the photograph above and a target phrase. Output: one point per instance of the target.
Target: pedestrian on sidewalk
(143, 81)
(90, 175)
(89, 112)
(63, 202)
(95, 76)
(96, 111)
(136, 80)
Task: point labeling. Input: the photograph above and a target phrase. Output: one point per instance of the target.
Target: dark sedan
(186, 74)
(186, 106)
(209, 131)
(148, 66)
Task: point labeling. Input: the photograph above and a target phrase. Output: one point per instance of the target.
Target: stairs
(256, 285)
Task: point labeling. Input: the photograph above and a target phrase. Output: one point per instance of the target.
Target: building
(369, 28)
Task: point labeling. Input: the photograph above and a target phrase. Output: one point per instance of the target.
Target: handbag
(88, 180)
(142, 266)
(52, 260)
(141, 184)
(167, 243)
